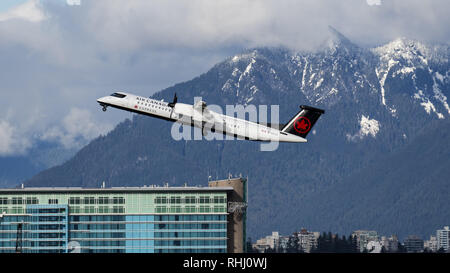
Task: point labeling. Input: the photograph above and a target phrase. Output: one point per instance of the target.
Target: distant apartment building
(374, 246)
(363, 237)
(390, 244)
(385, 244)
(432, 244)
(282, 243)
(307, 240)
(443, 237)
(271, 241)
(413, 244)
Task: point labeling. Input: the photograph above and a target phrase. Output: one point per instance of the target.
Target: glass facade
(114, 221)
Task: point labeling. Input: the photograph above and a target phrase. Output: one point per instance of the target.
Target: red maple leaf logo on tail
(302, 125)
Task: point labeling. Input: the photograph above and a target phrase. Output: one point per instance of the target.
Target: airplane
(198, 115)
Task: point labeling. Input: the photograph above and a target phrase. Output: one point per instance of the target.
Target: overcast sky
(58, 56)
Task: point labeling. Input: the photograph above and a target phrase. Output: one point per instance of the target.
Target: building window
(103, 209)
(17, 201)
(118, 209)
(161, 209)
(204, 209)
(161, 200)
(204, 200)
(74, 200)
(219, 209)
(219, 199)
(175, 209)
(103, 200)
(119, 200)
(89, 209)
(31, 200)
(89, 200)
(75, 209)
(53, 201)
(189, 199)
(189, 209)
(17, 210)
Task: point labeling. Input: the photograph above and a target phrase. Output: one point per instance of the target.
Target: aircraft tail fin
(302, 123)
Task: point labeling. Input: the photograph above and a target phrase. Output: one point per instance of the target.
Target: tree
(441, 250)
(249, 246)
(270, 250)
(354, 244)
(293, 244)
(351, 245)
(334, 244)
(324, 243)
(329, 243)
(401, 248)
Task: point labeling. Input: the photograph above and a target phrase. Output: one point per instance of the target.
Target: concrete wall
(236, 230)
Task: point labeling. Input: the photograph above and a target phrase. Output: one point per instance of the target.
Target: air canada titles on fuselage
(199, 115)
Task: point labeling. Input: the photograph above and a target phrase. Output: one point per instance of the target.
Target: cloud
(77, 127)
(134, 25)
(57, 57)
(374, 2)
(73, 2)
(10, 142)
(29, 11)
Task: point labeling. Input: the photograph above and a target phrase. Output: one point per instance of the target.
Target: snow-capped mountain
(342, 71)
(383, 105)
(390, 83)
(422, 69)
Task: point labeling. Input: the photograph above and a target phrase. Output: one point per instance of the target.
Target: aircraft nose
(101, 100)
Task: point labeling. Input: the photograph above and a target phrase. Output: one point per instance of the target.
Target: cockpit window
(117, 95)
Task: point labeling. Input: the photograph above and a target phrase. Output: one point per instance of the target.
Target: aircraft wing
(208, 118)
(200, 106)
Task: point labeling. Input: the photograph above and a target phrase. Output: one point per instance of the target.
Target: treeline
(326, 243)
(330, 243)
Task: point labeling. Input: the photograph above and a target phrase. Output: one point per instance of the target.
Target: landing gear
(104, 108)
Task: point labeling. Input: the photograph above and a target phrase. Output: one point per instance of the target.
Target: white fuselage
(197, 116)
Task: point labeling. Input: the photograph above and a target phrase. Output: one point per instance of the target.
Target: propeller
(175, 99)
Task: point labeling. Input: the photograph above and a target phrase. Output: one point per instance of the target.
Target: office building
(124, 219)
